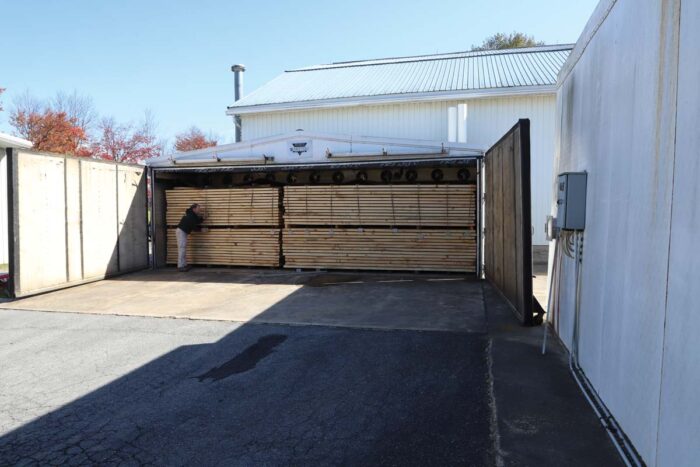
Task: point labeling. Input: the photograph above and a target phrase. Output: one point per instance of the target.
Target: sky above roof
(174, 57)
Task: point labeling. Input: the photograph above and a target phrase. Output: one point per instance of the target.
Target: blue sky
(173, 57)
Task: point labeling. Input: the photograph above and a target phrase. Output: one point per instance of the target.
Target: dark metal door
(508, 231)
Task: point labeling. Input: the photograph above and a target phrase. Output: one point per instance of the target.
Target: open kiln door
(73, 220)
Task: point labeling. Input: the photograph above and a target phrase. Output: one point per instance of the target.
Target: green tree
(507, 41)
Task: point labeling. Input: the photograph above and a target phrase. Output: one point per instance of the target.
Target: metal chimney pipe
(238, 90)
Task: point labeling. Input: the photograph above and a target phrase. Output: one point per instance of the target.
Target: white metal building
(6, 141)
(411, 97)
(629, 108)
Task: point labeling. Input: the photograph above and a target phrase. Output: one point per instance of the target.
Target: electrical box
(571, 201)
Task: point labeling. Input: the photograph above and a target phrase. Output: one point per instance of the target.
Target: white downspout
(462, 123)
(452, 124)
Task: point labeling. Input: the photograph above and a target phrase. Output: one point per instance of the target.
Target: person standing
(191, 221)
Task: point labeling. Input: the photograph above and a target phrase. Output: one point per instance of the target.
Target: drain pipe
(238, 90)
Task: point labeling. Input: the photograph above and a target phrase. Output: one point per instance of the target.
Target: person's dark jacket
(190, 221)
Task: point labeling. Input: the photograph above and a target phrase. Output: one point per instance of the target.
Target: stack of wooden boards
(226, 206)
(393, 205)
(402, 227)
(243, 226)
(381, 227)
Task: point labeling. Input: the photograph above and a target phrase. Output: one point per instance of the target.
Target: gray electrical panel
(571, 201)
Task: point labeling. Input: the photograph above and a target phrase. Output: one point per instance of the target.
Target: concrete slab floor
(540, 257)
(539, 283)
(443, 302)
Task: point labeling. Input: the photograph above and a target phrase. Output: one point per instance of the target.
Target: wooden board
(382, 249)
(381, 205)
(229, 246)
(508, 235)
(226, 206)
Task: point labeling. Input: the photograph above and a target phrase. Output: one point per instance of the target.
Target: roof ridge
(434, 57)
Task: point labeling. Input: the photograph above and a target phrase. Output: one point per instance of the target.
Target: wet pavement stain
(246, 360)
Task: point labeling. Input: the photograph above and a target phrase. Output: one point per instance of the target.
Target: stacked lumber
(390, 205)
(380, 249)
(226, 206)
(229, 247)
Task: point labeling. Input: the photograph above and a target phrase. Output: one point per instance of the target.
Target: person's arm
(201, 219)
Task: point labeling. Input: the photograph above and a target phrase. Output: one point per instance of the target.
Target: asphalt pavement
(100, 389)
(176, 392)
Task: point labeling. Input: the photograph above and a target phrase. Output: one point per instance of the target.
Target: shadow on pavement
(272, 395)
(269, 394)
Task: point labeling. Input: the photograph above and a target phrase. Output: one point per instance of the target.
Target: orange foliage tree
(68, 124)
(192, 139)
(124, 142)
(49, 131)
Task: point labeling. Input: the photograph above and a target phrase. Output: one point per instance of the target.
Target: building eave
(392, 99)
(260, 148)
(9, 141)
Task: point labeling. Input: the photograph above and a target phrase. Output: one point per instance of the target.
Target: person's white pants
(181, 248)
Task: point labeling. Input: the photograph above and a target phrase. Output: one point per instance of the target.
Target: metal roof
(440, 76)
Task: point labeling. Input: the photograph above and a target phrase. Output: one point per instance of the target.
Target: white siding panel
(487, 121)
(4, 248)
(417, 121)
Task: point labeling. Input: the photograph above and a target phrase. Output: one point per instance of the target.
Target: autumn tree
(192, 139)
(68, 124)
(49, 131)
(77, 107)
(54, 126)
(125, 142)
(507, 41)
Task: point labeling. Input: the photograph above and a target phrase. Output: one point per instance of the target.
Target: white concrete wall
(487, 121)
(3, 208)
(679, 410)
(629, 122)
